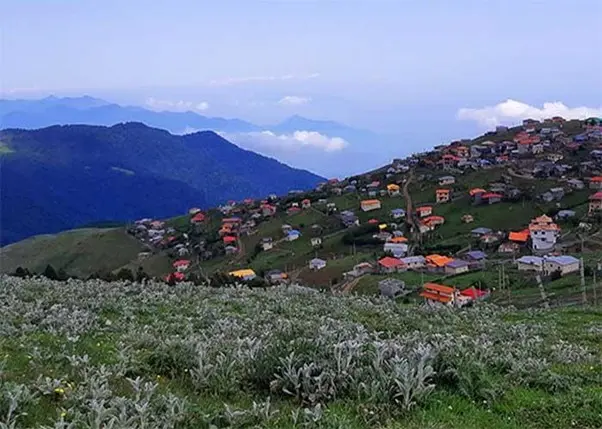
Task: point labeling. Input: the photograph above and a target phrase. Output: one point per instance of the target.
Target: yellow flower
(59, 390)
(63, 414)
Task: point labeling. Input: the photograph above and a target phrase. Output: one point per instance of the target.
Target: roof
(531, 260)
(475, 191)
(481, 230)
(457, 263)
(317, 261)
(442, 289)
(476, 254)
(229, 239)
(199, 217)
(438, 260)
(596, 179)
(442, 191)
(447, 177)
(389, 262)
(231, 220)
(491, 195)
(473, 292)
(294, 232)
(181, 263)
(242, 273)
(543, 223)
(368, 202)
(398, 240)
(424, 208)
(392, 187)
(562, 260)
(597, 196)
(398, 211)
(413, 259)
(435, 296)
(521, 236)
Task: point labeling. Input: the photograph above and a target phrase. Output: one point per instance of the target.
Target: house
(391, 288)
(349, 188)
(267, 243)
(442, 195)
(543, 233)
(467, 218)
(530, 263)
(476, 256)
(436, 293)
(456, 266)
(576, 184)
(481, 231)
(245, 275)
(595, 203)
(414, 262)
(231, 250)
(397, 246)
(595, 183)
(369, 205)
(447, 180)
(194, 211)
(565, 214)
(293, 235)
(537, 148)
(393, 189)
(305, 204)
(564, 264)
(349, 218)
(489, 238)
(390, 265)
(268, 210)
(424, 211)
(197, 218)
(316, 241)
(398, 213)
(276, 277)
(229, 239)
(433, 221)
(475, 294)
(476, 192)
(181, 265)
(557, 193)
(436, 262)
(491, 197)
(293, 210)
(508, 248)
(363, 268)
(317, 264)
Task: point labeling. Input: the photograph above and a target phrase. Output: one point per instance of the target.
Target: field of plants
(129, 355)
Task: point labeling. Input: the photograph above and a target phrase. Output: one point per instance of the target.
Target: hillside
(427, 216)
(97, 354)
(62, 177)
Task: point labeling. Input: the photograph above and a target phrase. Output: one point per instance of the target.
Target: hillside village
(522, 200)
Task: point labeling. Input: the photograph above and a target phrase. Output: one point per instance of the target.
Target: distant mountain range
(365, 148)
(63, 177)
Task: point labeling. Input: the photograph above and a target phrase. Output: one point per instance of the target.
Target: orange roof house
(433, 220)
(393, 189)
(519, 237)
(438, 293)
(438, 261)
(368, 205)
(442, 195)
(390, 264)
(543, 223)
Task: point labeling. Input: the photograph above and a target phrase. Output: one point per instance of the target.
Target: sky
(391, 66)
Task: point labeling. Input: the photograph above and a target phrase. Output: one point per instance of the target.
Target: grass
(79, 252)
(206, 356)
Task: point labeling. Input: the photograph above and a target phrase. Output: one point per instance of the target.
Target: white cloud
(294, 100)
(296, 141)
(178, 106)
(238, 80)
(512, 111)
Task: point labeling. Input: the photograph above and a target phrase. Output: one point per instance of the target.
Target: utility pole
(582, 273)
(542, 291)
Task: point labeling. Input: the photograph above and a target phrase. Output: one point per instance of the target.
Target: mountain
(365, 149)
(61, 177)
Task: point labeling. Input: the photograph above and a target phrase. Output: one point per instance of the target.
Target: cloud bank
(177, 106)
(511, 111)
(296, 141)
(240, 80)
(294, 100)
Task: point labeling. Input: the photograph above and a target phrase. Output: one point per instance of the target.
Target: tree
(50, 273)
(141, 275)
(62, 275)
(21, 272)
(125, 274)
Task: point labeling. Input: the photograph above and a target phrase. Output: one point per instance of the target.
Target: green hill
(97, 354)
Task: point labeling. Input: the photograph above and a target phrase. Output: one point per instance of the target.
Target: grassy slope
(140, 340)
(79, 252)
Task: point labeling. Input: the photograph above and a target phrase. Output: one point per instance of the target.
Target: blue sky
(387, 65)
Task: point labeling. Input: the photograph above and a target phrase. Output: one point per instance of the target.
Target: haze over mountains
(297, 141)
(63, 177)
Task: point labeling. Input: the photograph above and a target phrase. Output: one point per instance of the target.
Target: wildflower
(59, 390)
(449, 407)
(63, 414)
